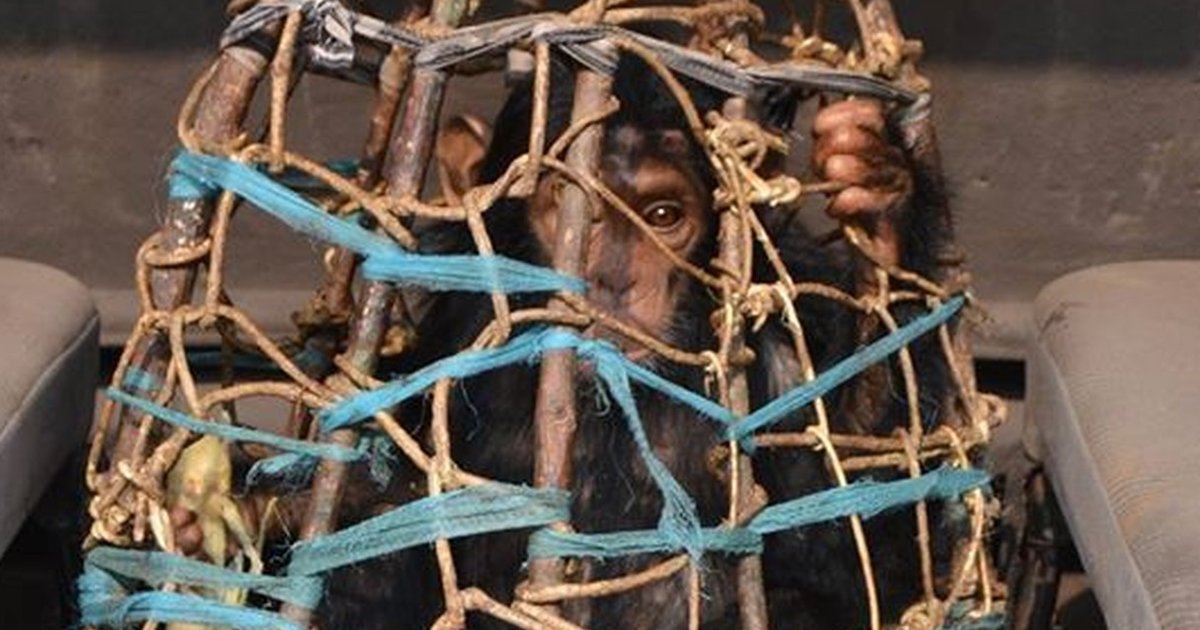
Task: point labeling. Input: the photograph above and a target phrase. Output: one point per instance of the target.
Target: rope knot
(764, 300)
(737, 148)
(715, 374)
(743, 140)
(925, 615)
(475, 201)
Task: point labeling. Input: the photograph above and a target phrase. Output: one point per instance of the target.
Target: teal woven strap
(141, 380)
(157, 568)
(845, 370)
(230, 432)
(385, 260)
(523, 348)
(105, 602)
(548, 543)
(469, 511)
(865, 498)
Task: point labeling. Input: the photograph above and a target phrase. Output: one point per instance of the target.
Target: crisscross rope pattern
(157, 417)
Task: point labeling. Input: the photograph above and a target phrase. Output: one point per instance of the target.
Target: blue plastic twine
(845, 370)
(192, 174)
(864, 498)
(230, 432)
(469, 511)
(157, 568)
(103, 601)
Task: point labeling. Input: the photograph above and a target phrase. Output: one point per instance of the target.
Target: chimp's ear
(461, 145)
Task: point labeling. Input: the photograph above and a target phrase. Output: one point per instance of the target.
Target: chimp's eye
(663, 214)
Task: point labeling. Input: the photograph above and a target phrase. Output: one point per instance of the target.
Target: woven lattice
(162, 439)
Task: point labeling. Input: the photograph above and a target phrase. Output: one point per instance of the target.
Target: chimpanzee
(652, 161)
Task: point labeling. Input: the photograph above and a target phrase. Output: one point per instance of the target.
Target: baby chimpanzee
(651, 160)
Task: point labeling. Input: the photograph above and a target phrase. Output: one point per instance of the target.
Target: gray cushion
(48, 341)
(1114, 390)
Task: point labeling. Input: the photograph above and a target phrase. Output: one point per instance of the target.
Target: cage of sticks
(168, 448)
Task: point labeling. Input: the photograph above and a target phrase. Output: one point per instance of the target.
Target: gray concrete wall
(1070, 129)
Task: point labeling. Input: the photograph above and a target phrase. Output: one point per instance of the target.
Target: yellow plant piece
(201, 481)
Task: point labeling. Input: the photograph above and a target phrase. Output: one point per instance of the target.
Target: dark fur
(813, 576)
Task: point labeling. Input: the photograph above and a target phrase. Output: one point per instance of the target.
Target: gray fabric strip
(330, 28)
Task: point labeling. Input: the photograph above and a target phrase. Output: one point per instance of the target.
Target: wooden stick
(554, 412)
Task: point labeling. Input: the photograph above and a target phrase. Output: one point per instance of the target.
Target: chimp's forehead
(629, 146)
